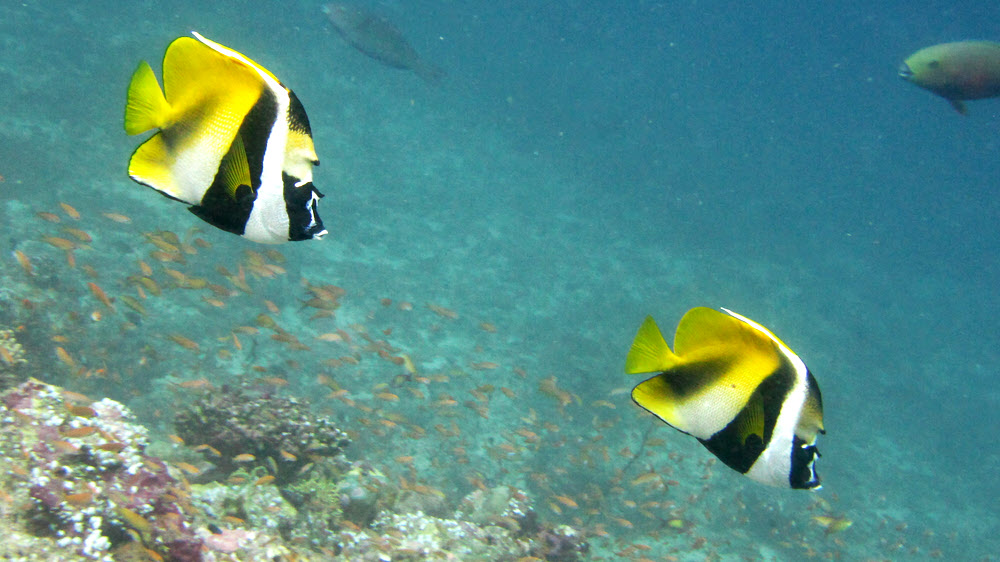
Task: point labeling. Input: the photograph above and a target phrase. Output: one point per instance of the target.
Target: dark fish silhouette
(378, 38)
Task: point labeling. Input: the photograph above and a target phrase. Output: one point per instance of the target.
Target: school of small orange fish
(187, 317)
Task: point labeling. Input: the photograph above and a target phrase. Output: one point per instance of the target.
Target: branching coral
(242, 425)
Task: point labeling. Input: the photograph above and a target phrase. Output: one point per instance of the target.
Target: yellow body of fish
(964, 70)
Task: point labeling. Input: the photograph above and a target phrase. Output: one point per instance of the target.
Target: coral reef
(239, 426)
(11, 358)
(91, 486)
(81, 486)
(339, 497)
(333, 495)
(511, 509)
(416, 536)
(494, 524)
(358, 514)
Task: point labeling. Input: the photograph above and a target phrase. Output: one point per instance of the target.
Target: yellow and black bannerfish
(959, 71)
(738, 389)
(232, 142)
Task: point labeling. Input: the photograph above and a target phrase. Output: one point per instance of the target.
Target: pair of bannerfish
(235, 144)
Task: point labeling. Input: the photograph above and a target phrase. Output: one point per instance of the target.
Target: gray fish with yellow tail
(958, 72)
(231, 141)
(738, 389)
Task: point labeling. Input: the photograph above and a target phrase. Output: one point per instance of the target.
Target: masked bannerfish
(735, 386)
(965, 70)
(233, 142)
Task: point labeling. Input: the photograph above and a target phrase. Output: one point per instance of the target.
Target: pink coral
(227, 540)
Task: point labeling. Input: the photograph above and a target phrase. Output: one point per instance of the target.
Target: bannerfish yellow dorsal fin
(236, 55)
(702, 328)
(650, 352)
(235, 168)
(196, 76)
(146, 107)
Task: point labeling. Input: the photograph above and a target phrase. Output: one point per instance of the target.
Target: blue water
(581, 166)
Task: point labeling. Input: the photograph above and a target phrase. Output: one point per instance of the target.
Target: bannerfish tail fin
(650, 352)
(147, 108)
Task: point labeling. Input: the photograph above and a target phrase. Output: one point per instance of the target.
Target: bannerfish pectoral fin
(235, 168)
(959, 106)
(743, 440)
(750, 422)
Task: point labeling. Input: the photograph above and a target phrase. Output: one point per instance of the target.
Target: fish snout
(904, 72)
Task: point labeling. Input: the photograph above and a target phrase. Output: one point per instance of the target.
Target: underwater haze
(496, 239)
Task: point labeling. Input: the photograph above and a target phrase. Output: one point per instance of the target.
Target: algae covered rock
(91, 486)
